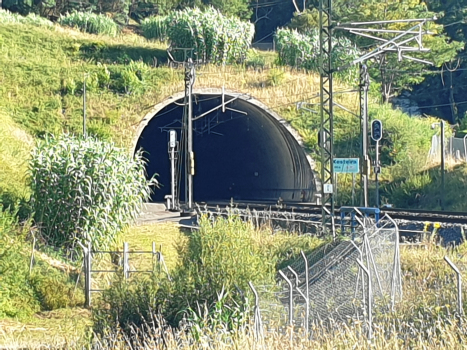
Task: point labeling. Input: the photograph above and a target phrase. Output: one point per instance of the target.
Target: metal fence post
(126, 267)
(303, 296)
(257, 315)
(154, 253)
(460, 310)
(290, 302)
(307, 292)
(369, 296)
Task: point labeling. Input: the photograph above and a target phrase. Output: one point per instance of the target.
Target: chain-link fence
(455, 149)
(339, 282)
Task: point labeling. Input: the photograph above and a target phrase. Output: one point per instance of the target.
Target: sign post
(377, 135)
(346, 166)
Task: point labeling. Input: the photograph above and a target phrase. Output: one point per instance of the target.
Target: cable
(442, 105)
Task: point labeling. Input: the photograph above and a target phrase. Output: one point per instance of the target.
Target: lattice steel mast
(326, 132)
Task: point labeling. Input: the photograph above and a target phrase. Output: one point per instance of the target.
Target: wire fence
(455, 149)
(339, 282)
(271, 219)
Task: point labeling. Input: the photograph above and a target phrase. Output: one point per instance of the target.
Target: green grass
(167, 236)
(14, 154)
(41, 89)
(63, 328)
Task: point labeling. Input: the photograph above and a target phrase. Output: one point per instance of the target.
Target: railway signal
(376, 130)
(377, 135)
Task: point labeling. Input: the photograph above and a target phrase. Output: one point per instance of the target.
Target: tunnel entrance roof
(244, 151)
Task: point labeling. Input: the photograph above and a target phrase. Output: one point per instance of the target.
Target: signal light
(376, 130)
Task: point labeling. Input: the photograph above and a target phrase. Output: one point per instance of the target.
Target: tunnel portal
(242, 151)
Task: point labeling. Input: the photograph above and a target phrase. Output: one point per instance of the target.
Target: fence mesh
(337, 288)
(271, 218)
(455, 149)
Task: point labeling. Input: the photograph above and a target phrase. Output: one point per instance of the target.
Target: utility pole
(442, 190)
(442, 167)
(189, 155)
(377, 135)
(365, 168)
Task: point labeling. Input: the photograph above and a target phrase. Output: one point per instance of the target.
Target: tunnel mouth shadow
(242, 150)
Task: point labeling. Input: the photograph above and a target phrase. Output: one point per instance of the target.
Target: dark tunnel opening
(244, 152)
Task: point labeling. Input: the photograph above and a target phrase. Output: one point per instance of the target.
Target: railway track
(308, 208)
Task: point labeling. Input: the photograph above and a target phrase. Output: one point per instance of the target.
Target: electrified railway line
(415, 215)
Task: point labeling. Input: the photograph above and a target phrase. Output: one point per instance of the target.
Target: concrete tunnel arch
(246, 152)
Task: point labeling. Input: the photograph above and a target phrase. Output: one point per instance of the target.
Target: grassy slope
(37, 63)
(14, 152)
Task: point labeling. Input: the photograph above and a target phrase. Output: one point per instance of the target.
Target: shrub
(54, 289)
(218, 262)
(90, 23)
(85, 190)
(275, 77)
(302, 51)
(222, 254)
(255, 59)
(214, 37)
(16, 293)
(33, 19)
(155, 27)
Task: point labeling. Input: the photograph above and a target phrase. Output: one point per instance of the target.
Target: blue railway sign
(346, 165)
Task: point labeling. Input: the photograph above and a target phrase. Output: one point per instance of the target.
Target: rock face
(407, 105)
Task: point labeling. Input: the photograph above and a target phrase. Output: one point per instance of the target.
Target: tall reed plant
(302, 51)
(90, 23)
(213, 36)
(85, 190)
(155, 27)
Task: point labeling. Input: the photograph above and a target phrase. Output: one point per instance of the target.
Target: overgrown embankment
(42, 72)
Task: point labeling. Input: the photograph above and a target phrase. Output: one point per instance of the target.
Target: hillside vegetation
(42, 69)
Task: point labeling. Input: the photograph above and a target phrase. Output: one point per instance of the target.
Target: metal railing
(121, 261)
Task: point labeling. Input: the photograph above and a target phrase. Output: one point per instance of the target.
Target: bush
(255, 60)
(90, 23)
(302, 50)
(155, 27)
(218, 262)
(33, 19)
(85, 190)
(276, 76)
(213, 37)
(54, 289)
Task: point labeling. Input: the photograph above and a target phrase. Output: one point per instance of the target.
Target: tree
(237, 8)
(395, 74)
(440, 92)
(305, 22)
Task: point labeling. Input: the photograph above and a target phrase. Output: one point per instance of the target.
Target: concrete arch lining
(246, 152)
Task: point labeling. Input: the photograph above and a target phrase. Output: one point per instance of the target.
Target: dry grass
(63, 328)
(425, 319)
(295, 86)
